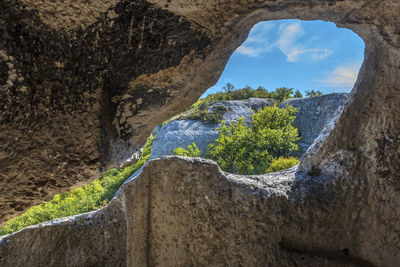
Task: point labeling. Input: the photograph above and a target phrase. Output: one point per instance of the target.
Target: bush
(191, 151)
(238, 150)
(230, 93)
(244, 150)
(313, 93)
(275, 130)
(282, 163)
(199, 111)
(281, 94)
(297, 94)
(80, 200)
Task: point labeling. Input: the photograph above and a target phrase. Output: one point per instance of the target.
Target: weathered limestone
(181, 133)
(74, 95)
(182, 212)
(313, 114)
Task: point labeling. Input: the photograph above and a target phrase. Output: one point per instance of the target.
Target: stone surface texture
(312, 116)
(181, 133)
(186, 212)
(83, 83)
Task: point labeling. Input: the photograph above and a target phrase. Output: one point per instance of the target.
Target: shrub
(200, 112)
(80, 200)
(238, 150)
(191, 151)
(275, 130)
(297, 94)
(313, 93)
(281, 94)
(282, 163)
(243, 150)
(230, 93)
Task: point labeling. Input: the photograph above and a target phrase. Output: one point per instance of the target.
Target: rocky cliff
(84, 82)
(313, 114)
(181, 133)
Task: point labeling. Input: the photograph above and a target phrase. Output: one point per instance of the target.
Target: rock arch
(91, 80)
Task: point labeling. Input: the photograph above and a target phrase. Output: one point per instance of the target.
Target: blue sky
(304, 55)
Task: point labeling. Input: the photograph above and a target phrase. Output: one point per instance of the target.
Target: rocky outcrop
(313, 114)
(183, 211)
(181, 133)
(82, 82)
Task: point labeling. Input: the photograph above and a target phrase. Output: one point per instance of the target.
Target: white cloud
(259, 41)
(289, 45)
(343, 76)
(262, 40)
(248, 51)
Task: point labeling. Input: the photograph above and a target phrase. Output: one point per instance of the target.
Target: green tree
(297, 94)
(261, 92)
(237, 149)
(281, 94)
(244, 150)
(228, 88)
(274, 128)
(313, 93)
(191, 151)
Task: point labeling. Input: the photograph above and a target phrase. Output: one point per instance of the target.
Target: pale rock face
(75, 81)
(312, 116)
(181, 133)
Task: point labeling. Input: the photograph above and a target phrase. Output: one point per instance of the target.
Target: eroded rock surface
(181, 133)
(81, 87)
(313, 114)
(182, 212)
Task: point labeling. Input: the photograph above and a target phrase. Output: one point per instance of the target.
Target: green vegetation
(200, 109)
(267, 146)
(279, 94)
(244, 150)
(297, 94)
(313, 93)
(80, 200)
(259, 149)
(231, 93)
(282, 163)
(191, 151)
(238, 149)
(200, 112)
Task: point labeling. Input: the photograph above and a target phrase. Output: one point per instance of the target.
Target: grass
(87, 198)
(98, 193)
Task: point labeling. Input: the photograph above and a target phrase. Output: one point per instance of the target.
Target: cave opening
(289, 61)
(338, 208)
(311, 66)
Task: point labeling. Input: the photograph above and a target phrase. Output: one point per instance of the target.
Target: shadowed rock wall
(84, 82)
(184, 212)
